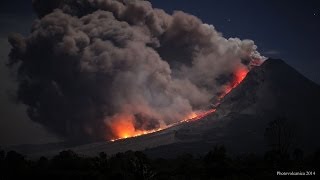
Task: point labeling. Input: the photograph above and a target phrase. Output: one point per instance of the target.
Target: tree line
(216, 164)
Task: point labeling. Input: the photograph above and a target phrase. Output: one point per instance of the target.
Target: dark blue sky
(283, 29)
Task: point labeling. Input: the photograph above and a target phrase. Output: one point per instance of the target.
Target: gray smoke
(87, 62)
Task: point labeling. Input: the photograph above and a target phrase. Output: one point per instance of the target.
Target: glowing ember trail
(196, 116)
(239, 75)
(123, 126)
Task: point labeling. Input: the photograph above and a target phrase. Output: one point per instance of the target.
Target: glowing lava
(123, 128)
(198, 115)
(238, 77)
(123, 125)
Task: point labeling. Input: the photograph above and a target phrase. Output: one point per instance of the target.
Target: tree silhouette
(279, 135)
(216, 162)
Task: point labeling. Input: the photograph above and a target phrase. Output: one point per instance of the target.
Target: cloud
(87, 64)
(15, 126)
(271, 53)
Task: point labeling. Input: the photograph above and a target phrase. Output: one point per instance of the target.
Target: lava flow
(238, 77)
(124, 126)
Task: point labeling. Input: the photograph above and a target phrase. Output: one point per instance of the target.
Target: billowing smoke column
(103, 69)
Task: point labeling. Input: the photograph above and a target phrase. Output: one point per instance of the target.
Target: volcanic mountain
(271, 91)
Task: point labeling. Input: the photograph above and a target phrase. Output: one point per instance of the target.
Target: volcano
(239, 122)
(269, 91)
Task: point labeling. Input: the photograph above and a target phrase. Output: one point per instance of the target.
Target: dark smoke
(85, 62)
(145, 122)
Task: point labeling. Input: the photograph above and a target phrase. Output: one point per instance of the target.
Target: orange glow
(204, 114)
(239, 75)
(192, 115)
(198, 115)
(123, 125)
(123, 128)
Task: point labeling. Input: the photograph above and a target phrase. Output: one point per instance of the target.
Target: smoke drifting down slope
(90, 69)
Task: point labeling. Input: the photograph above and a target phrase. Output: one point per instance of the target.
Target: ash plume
(85, 63)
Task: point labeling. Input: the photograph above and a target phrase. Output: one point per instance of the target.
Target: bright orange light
(122, 125)
(239, 75)
(193, 116)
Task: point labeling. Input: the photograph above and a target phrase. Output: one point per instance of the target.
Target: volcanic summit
(271, 91)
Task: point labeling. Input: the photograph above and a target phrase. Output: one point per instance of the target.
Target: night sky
(282, 29)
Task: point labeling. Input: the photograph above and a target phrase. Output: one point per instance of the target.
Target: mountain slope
(269, 91)
(273, 90)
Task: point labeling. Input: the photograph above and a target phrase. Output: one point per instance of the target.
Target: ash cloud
(85, 62)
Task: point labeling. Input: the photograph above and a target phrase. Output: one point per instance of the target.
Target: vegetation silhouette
(216, 164)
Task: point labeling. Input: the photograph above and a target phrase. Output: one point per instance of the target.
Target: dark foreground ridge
(216, 164)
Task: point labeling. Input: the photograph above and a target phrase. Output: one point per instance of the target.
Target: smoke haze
(89, 65)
